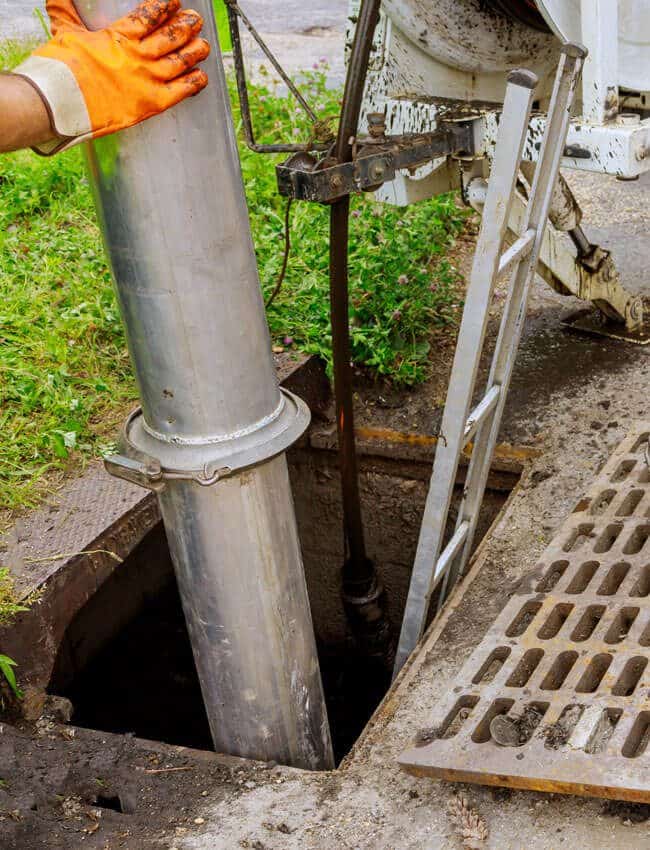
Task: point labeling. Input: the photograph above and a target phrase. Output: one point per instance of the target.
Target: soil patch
(67, 788)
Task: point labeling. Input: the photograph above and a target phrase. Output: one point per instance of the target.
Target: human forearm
(84, 84)
(25, 120)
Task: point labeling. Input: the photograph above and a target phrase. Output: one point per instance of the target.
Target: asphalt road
(296, 15)
(269, 16)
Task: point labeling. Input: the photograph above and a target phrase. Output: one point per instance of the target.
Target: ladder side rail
(515, 310)
(512, 135)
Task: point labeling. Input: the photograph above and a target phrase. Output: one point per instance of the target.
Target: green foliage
(44, 23)
(12, 52)
(63, 364)
(9, 607)
(401, 288)
(222, 24)
(6, 668)
(65, 379)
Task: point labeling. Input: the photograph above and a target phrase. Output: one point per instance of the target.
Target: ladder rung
(517, 251)
(451, 550)
(483, 409)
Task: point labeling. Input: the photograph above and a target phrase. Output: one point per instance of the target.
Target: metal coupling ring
(207, 463)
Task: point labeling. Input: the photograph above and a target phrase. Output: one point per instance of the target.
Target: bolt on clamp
(148, 461)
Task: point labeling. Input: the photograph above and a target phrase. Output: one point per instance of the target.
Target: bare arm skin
(25, 118)
(84, 84)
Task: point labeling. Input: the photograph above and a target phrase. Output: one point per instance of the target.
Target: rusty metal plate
(557, 695)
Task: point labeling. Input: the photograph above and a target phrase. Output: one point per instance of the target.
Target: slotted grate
(561, 680)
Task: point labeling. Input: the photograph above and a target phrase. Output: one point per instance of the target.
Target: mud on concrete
(573, 399)
(65, 788)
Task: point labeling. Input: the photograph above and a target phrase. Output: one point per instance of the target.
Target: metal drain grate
(561, 680)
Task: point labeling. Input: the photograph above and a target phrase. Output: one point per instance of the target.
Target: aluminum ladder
(459, 425)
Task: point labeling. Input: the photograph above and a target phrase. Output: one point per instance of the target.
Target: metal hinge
(303, 177)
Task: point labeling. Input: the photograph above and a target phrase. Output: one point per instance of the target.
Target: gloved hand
(95, 83)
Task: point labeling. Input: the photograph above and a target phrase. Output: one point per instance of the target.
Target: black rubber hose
(362, 592)
(339, 294)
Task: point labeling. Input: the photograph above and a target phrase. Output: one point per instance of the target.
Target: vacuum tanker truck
(438, 61)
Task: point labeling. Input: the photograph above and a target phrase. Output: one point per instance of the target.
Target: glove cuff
(63, 99)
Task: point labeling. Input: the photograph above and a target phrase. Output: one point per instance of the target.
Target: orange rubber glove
(95, 83)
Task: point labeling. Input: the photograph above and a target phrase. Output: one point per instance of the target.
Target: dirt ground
(66, 786)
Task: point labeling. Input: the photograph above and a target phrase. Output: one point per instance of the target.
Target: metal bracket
(378, 160)
(146, 471)
(148, 461)
(320, 128)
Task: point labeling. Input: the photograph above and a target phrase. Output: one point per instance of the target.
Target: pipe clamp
(145, 460)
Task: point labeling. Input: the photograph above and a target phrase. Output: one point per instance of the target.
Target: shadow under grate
(557, 695)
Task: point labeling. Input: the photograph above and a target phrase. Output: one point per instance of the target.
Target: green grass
(9, 606)
(65, 379)
(12, 52)
(222, 25)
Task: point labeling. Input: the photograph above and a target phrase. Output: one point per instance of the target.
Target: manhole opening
(126, 661)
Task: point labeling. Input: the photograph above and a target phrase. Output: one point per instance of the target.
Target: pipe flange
(150, 462)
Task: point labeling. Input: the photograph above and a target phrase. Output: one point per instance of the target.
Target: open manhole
(125, 660)
(142, 679)
(555, 698)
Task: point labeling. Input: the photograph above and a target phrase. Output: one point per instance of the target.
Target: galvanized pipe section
(239, 570)
(171, 201)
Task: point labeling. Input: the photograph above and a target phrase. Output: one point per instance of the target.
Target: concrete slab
(370, 803)
(624, 228)
(18, 19)
(574, 398)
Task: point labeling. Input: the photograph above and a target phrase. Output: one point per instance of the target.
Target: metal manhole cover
(557, 695)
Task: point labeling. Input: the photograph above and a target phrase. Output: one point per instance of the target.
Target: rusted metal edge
(421, 447)
(34, 637)
(591, 322)
(61, 553)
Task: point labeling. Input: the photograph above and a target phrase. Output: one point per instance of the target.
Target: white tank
(564, 18)
(484, 36)
(467, 35)
(448, 59)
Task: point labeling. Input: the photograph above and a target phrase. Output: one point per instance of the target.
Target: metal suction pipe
(211, 435)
